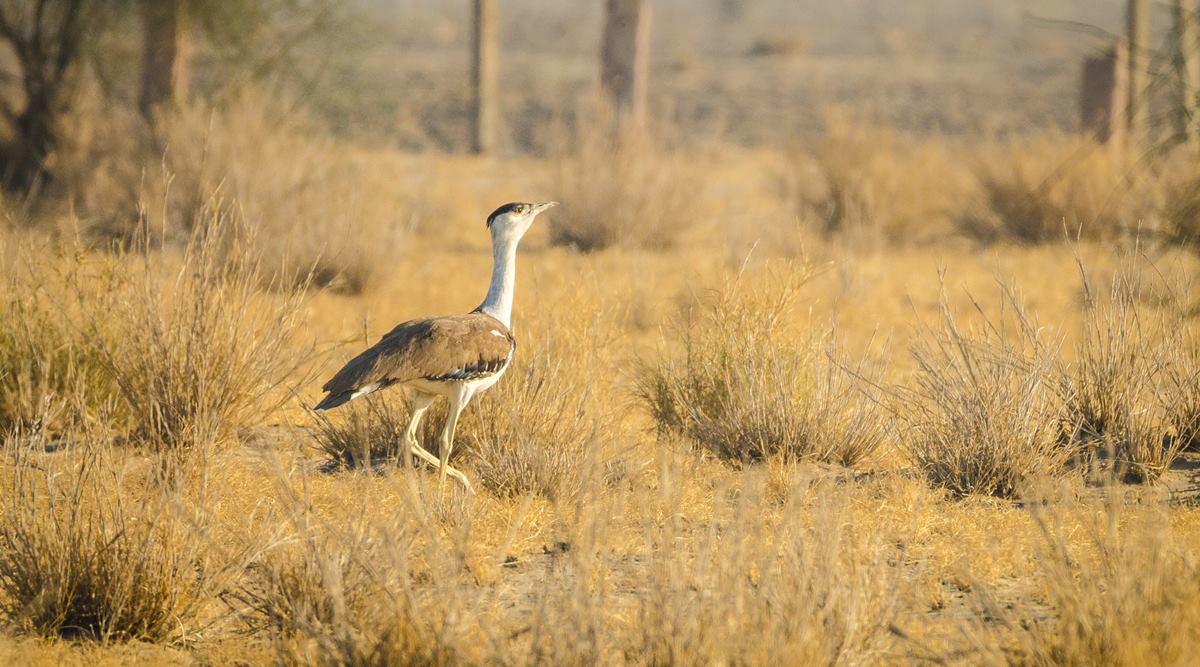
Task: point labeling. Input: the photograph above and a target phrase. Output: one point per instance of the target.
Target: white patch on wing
(497, 333)
(365, 390)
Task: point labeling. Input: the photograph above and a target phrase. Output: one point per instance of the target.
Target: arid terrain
(822, 365)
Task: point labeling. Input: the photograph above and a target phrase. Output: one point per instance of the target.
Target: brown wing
(459, 347)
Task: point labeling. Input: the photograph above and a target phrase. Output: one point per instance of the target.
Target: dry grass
(542, 429)
(743, 389)
(368, 433)
(1127, 595)
(201, 354)
(590, 540)
(1120, 584)
(51, 373)
(1046, 190)
(877, 187)
(316, 211)
(409, 589)
(345, 596)
(802, 587)
(89, 550)
(1127, 352)
(623, 188)
(984, 411)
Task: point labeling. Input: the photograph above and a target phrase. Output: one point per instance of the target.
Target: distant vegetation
(853, 350)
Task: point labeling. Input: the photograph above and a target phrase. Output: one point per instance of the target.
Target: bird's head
(511, 221)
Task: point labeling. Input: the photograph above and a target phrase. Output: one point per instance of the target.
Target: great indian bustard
(456, 356)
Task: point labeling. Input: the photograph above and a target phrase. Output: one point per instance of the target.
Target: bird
(455, 356)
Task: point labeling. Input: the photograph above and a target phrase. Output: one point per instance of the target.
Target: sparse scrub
(370, 432)
(1125, 355)
(877, 187)
(623, 187)
(983, 415)
(1122, 585)
(318, 213)
(804, 588)
(351, 595)
(86, 552)
(746, 385)
(1048, 190)
(201, 353)
(47, 362)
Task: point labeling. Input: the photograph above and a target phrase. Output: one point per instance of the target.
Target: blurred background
(870, 122)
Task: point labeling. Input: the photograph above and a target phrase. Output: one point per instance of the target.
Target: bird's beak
(538, 208)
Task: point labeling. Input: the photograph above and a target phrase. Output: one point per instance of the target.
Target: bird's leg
(450, 470)
(420, 403)
(457, 402)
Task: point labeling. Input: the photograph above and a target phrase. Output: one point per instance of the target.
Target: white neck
(499, 299)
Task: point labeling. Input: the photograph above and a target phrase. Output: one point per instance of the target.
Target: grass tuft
(86, 552)
(201, 352)
(1127, 356)
(743, 389)
(983, 413)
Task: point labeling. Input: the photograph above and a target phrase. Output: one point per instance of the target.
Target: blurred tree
(254, 35)
(625, 56)
(51, 39)
(48, 39)
(1188, 66)
(165, 72)
(1138, 27)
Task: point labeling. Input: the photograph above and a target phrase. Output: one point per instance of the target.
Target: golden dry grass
(596, 536)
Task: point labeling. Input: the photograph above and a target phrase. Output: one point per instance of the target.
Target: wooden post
(1188, 65)
(485, 120)
(625, 56)
(165, 56)
(1103, 95)
(1138, 34)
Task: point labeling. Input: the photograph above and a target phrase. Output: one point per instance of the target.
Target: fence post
(625, 56)
(484, 114)
(1104, 93)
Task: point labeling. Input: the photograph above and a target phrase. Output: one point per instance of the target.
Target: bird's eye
(521, 210)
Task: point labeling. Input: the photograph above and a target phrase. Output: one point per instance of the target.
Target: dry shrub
(746, 385)
(623, 187)
(541, 429)
(47, 361)
(1125, 356)
(1038, 191)
(804, 587)
(1182, 211)
(87, 552)
(370, 432)
(314, 209)
(877, 186)
(1179, 388)
(201, 353)
(984, 414)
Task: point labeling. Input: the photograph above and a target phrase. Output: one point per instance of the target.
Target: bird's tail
(333, 400)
